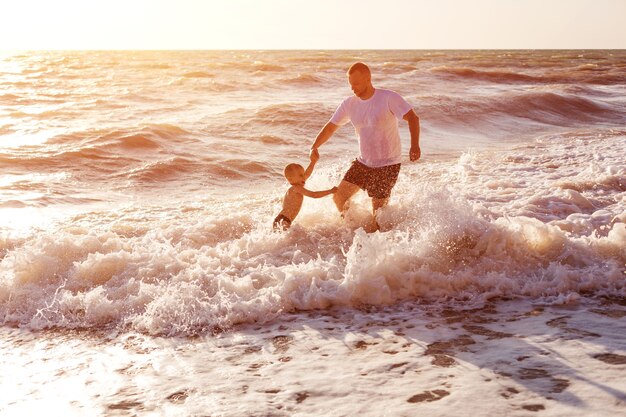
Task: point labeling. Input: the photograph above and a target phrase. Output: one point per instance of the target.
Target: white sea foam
(502, 224)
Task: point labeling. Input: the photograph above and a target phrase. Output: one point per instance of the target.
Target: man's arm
(414, 129)
(327, 131)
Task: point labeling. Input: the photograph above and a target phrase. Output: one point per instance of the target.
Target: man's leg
(386, 178)
(344, 192)
(377, 203)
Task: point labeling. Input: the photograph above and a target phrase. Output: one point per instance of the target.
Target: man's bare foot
(346, 207)
(372, 227)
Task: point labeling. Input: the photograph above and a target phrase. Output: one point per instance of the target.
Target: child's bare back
(292, 202)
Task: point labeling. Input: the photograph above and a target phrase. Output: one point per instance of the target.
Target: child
(296, 175)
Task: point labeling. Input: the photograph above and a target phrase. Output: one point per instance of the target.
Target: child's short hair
(291, 169)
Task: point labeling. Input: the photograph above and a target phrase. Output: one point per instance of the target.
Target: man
(374, 113)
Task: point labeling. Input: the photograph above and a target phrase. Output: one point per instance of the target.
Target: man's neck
(369, 94)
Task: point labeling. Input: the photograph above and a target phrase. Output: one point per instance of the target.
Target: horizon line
(302, 49)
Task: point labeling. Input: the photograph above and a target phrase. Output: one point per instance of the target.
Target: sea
(138, 189)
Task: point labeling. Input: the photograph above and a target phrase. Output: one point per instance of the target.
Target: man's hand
(415, 153)
(414, 128)
(314, 155)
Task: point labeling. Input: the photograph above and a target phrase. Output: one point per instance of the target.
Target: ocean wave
(237, 169)
(35, 71)
(544, 220)
(58, 111)
(302, 79)
(113, 149)
(551, 180)
(155, 65)
(41, 200)
(260, 66)
(583, 74)
(205, 84)
(247, 166)
(492, 76)
(220, 271)
(584, 90)
(148, 137)
(248, 64)
(215, 171)
(12, 204)
(137, 154)
(610, 78)
(198, 74)
(138, 141)
(397, 67)
(6, 130)
(9, 99)
(159, 171)
(274, 140)
(540, 106)
(317, 58)
(455, 236)
(538, 103)
(71, 159)
(303, 115)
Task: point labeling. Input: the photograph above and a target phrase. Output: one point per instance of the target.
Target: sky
(312, 24)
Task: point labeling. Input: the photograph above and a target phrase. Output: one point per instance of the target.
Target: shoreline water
(519, 357)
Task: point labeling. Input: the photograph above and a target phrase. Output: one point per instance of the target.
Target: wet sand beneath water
(508, 358)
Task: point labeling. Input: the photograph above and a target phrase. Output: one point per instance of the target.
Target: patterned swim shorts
(378, 182)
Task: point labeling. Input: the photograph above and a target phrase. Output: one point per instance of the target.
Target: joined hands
(314, 155)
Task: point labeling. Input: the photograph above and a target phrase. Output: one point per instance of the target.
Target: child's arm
(309, 170)
(314, 194)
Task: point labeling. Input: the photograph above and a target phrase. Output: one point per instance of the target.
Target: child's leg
(281, 222)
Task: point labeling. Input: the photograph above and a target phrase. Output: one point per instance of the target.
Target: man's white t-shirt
(375, 122)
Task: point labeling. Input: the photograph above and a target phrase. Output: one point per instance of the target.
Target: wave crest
(302, 79)
(302, 115)
(540, 106)
(492, 76)
(584, 74)
(198, 74)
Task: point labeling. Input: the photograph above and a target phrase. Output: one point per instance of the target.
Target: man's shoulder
(349, 100)
(384, 92)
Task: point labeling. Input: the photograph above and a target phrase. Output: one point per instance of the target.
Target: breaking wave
(540, 106)
(583, 74)
(460, 236)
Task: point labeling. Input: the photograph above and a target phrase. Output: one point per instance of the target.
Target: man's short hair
(359, 67)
